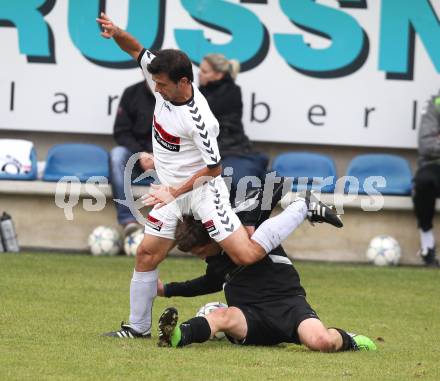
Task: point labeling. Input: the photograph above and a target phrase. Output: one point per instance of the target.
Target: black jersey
(273, 278)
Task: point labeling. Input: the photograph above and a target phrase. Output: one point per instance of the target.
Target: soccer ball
(207, 309)
(384, 251)
(132, 241)
(104, 240)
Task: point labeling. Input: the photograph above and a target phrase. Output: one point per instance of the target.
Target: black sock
(195, 330)
(347, 341)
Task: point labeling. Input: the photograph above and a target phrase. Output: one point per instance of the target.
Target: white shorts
(208, 203)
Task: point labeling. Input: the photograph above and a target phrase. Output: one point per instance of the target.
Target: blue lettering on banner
(249, 38)
(400, 21)
(347, 52)
(145, 21)
(35, 37)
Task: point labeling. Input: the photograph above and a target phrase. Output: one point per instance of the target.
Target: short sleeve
(145, 57)
(203, 134)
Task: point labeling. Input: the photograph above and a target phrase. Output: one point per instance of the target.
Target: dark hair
(173, 62)
(190, 233)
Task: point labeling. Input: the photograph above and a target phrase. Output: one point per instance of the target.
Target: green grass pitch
(53, 308)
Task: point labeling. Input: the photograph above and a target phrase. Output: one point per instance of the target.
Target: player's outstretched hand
(109, 29)
(159, 196)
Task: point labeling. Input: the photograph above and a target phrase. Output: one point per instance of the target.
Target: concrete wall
(349, 244)
(42, 224)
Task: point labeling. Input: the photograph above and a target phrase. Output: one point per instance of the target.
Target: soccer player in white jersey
(187, 163)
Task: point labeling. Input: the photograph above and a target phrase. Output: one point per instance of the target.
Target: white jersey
(184, 135)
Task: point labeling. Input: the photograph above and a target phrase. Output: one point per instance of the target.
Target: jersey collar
(186, 102)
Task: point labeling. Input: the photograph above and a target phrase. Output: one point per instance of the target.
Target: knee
(424, 181)
(248, 255)
(322, 342)
(146, 257)
(223, 318)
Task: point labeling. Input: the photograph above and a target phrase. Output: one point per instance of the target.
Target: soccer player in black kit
(266, 303)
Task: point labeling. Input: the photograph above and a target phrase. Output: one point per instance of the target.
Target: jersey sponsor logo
(154, 223)
(165, 139)
(210, 228)
(166, 145)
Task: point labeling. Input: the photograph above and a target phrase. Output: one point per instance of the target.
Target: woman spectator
(217, 83)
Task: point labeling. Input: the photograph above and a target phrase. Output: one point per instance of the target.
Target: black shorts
(271, 323)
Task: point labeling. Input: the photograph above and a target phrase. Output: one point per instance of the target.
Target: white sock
(275, 230)
(427, 240)
(143, 290)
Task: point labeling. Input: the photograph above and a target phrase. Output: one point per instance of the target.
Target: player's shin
(354, 342)
(195, 330)
(143, 290)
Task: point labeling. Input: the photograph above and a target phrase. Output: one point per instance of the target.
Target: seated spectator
(217, 83)
(133, 133)
(427, 179)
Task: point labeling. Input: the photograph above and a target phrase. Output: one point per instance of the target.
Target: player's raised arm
(128, 44)
(124, 39)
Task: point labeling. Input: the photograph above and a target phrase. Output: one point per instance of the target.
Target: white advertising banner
(347, 72)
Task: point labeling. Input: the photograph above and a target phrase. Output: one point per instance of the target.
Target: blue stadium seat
(306, 165)
(80, 160)
(393, 168)
(32, 175)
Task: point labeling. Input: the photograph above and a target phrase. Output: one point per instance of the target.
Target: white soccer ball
(384, 251)
(104, 240)
(132, 241)
(207, 309)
